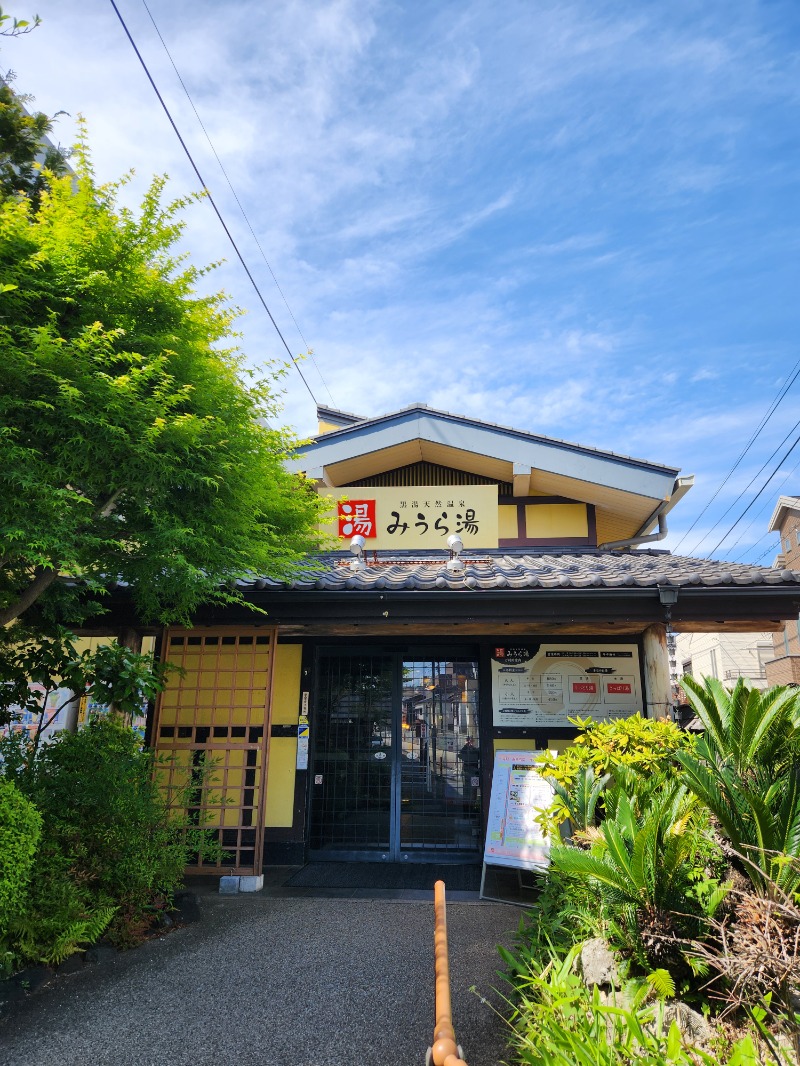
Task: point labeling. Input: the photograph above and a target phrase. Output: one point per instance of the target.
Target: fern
(661, 983)
(77, 934)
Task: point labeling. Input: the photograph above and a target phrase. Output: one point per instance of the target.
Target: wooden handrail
(445, 1051)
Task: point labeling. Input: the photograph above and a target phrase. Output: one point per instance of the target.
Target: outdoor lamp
(357, 548)
(456, 546)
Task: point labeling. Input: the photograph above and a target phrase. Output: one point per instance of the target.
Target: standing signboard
(519, 792)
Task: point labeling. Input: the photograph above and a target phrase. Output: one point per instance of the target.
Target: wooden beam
(522, 479)
(758, 625)
(456, 630)
(658, 702)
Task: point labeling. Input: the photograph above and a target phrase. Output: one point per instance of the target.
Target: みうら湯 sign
(418, 517)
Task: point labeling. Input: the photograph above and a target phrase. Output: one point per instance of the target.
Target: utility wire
(211, 200)
(236, 198)
(758, 515)
(781, 461)
(795, 372)
(754, 478)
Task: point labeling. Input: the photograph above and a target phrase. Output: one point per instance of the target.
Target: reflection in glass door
(396, 757)
(440, 757)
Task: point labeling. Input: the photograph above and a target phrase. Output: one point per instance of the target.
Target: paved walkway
(269, 981)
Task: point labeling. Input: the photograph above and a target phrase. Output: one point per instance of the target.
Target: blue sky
(575, 218)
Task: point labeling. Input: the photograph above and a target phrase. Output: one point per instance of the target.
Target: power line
(771, 476)
(236, 198)
(758, 515)
(767, 551)
(754, 478)
(794, 373)
(211, 199)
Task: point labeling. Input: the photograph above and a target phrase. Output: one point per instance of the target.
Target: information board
(519, 792)
(548, 684)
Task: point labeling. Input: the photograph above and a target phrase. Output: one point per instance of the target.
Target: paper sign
(519, 793)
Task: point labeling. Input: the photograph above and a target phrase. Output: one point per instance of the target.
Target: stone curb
(33, 979)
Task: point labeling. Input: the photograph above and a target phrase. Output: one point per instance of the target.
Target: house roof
(529, 572)
(634, 488)
(784, 505)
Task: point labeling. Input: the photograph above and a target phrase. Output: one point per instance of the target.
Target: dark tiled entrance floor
(386, 875)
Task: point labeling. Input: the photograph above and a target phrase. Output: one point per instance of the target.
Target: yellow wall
(283, 750)
(528, 744)
(508, 528)
(523, 744)
(326, 427)
(556, 520)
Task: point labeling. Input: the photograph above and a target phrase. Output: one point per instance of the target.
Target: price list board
(551, 683)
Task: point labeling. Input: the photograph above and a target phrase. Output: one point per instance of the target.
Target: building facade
(784, 669)
(726, 656)
(488, 586)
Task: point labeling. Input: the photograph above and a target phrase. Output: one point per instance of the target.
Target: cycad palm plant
(643, 866)
(579, 803)
(746, 770)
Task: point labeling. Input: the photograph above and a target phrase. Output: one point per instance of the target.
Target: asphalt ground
(271, 981)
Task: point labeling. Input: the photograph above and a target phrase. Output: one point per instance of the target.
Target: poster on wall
(548, 684)
(519, 793)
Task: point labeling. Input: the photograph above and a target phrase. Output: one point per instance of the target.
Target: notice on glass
(548, 685)
(519, 793)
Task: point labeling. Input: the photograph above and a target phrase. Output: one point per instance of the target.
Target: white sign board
(513, 837)
(548, 685)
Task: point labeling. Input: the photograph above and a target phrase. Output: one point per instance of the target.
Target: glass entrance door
(440, 757)
(396, 764)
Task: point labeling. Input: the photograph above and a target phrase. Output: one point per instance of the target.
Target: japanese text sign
(417, 517)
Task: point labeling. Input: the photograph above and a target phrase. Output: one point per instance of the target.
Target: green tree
(14, 27)
(27, 158)
(135, 446)
(112, 675)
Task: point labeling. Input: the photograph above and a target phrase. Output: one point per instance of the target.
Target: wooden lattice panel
(218, 713)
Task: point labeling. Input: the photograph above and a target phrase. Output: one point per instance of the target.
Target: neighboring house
(726, 656)
(491, 586)
(784, 669)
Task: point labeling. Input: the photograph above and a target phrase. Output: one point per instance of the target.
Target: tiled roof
(607, 570)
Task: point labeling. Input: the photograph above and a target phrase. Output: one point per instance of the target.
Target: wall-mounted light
(668, 597)
(456, 546)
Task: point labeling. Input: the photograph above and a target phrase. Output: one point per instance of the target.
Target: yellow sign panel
(417, 517)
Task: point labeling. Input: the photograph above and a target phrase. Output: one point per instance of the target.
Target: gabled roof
(360, 449)
(784, 505)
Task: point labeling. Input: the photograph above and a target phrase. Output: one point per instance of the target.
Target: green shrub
(20, 829)
(647, 745)
(557, 1021)
(107, 817)
(60, 915)
(44, 914)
